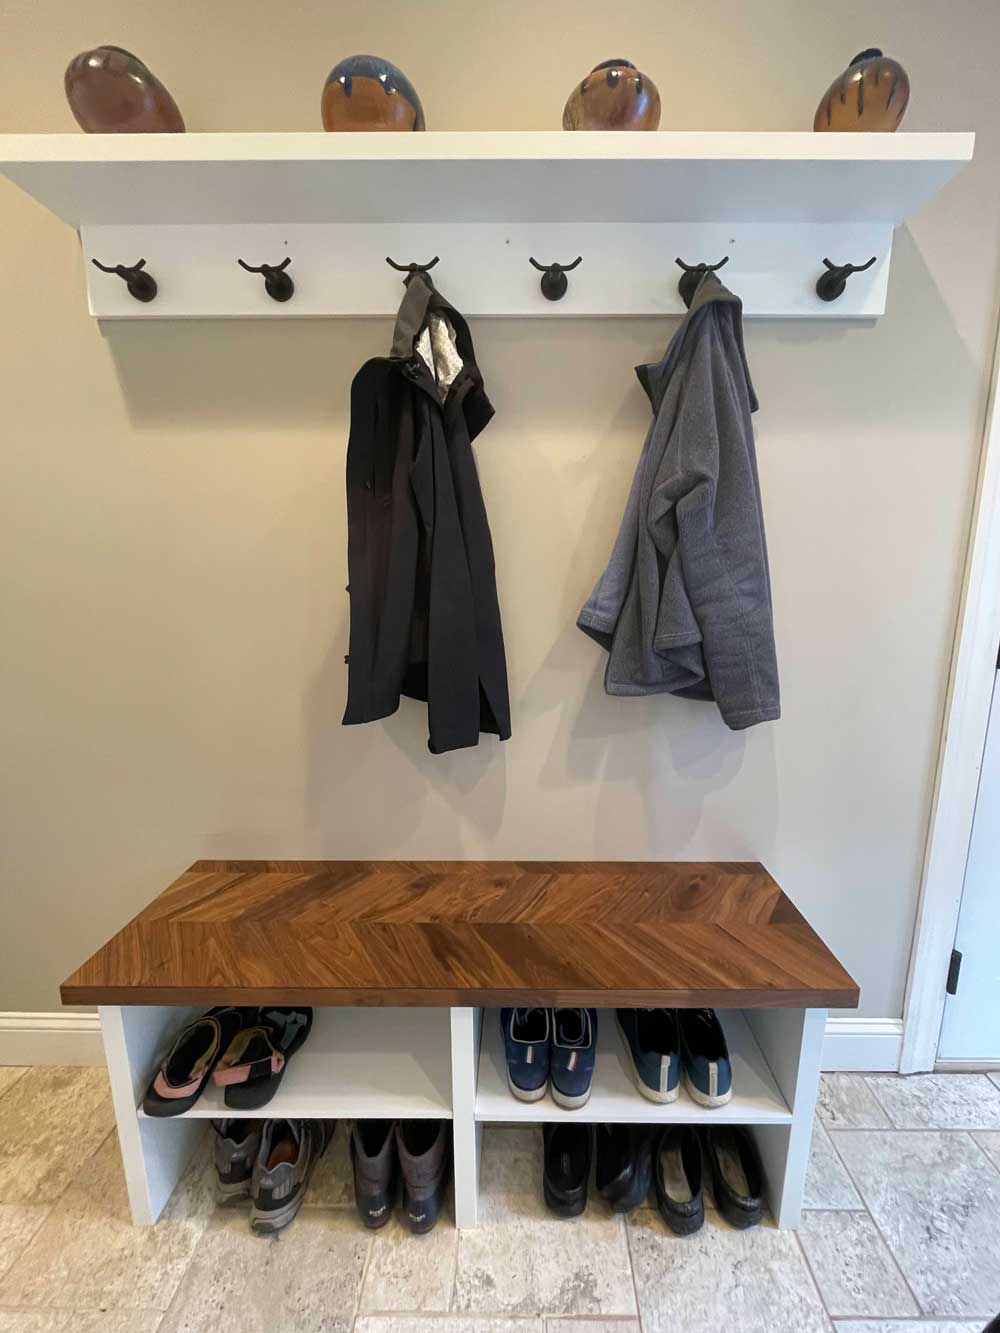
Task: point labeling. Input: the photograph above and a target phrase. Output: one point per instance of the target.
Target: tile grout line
(11, 1086)
(878, 1229)
(631, 1270)
(908, 1129)
(812, 1277)
(361, 1285)
(972, 1135)
(875, 1098)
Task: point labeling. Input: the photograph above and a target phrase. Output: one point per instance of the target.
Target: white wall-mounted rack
(337, 204)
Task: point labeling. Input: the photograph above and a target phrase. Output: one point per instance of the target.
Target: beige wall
(172, 534)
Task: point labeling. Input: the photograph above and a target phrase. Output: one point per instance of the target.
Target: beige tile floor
(902, 1235)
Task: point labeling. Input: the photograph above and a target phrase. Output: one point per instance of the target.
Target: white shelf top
(379, 1064)
(480, 176)
(614, 1097)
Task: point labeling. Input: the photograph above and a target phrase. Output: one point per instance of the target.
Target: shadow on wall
(376, 784)
(376, 789)
(261, 374)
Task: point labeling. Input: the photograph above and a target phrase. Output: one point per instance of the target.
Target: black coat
(425, 621)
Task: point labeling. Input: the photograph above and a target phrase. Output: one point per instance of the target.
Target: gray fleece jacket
(684, 606)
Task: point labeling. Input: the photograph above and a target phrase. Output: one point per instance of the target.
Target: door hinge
(954, 967)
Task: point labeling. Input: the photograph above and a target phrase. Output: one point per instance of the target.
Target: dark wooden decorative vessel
(613, 96)
(110, 91)
(872, 94)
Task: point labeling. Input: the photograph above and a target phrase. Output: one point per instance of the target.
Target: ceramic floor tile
(938, 1101)
(305, 1280)
(994, 1077)
(827, 1183)
(18, 1224)
(395, 1323)
(853, 1269)
(9, 1074)
(592, 1326)
(51, 1120)
(989, 1141)
(845, 1102)
(34, 1321)
(408, 1272)
(938, 1208)
(755, 1281)
(107, 1321)
(904, 1326)
(87, 1254)
(332, 1185)
(524, 1261)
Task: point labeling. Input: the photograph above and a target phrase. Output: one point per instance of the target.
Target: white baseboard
(862, 1045)
(966, 1066)
(56, 1038)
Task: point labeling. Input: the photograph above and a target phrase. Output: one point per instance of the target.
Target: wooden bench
(402, 958)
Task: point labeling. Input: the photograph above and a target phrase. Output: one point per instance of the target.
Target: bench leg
(792, 1042)
(155, 1153)
(466, 1026)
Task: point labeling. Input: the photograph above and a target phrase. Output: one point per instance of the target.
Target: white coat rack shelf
(335, 205)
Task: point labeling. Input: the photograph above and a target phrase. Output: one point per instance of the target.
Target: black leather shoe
(677, 1173)
(624, 1165)
(568, 1153)
(737, 1175)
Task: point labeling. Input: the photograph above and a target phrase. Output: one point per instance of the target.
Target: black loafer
(677, 1174)
(568, 1153)
(624, 1170)
(737, 1175)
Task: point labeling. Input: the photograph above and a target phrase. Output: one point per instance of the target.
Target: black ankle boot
(373, 1159)
(424, 1148)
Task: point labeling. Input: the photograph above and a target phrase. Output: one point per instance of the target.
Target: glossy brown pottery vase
(110, 91)
(871, 94)
(369, 93)
(613, 96)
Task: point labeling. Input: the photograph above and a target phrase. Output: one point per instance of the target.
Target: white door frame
(967, 710)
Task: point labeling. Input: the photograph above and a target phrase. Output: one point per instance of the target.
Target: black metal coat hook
(831, 284)
(141, 285)
(554, 280)
(277, 282)
(692, 275)
(412, 268)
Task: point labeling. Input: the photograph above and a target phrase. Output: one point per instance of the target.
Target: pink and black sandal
(188, 1065)
(255, 1061)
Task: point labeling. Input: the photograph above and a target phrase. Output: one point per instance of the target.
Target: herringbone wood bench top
(467, 933)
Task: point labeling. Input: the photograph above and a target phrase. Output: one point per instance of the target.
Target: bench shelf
(406, 962)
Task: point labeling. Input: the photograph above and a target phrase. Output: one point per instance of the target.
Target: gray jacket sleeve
(706, 522)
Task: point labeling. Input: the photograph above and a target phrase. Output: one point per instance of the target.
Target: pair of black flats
(387, 1152)
(631, 1159)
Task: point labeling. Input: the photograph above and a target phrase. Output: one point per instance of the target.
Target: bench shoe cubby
(439, 1063)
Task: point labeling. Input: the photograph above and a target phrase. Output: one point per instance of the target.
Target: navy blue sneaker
(652, 1044)
(574, 1050)
(705, 1057)
(526, 1045)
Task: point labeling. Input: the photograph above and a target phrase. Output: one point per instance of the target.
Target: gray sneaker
(237, 1143)
(288, 1153)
